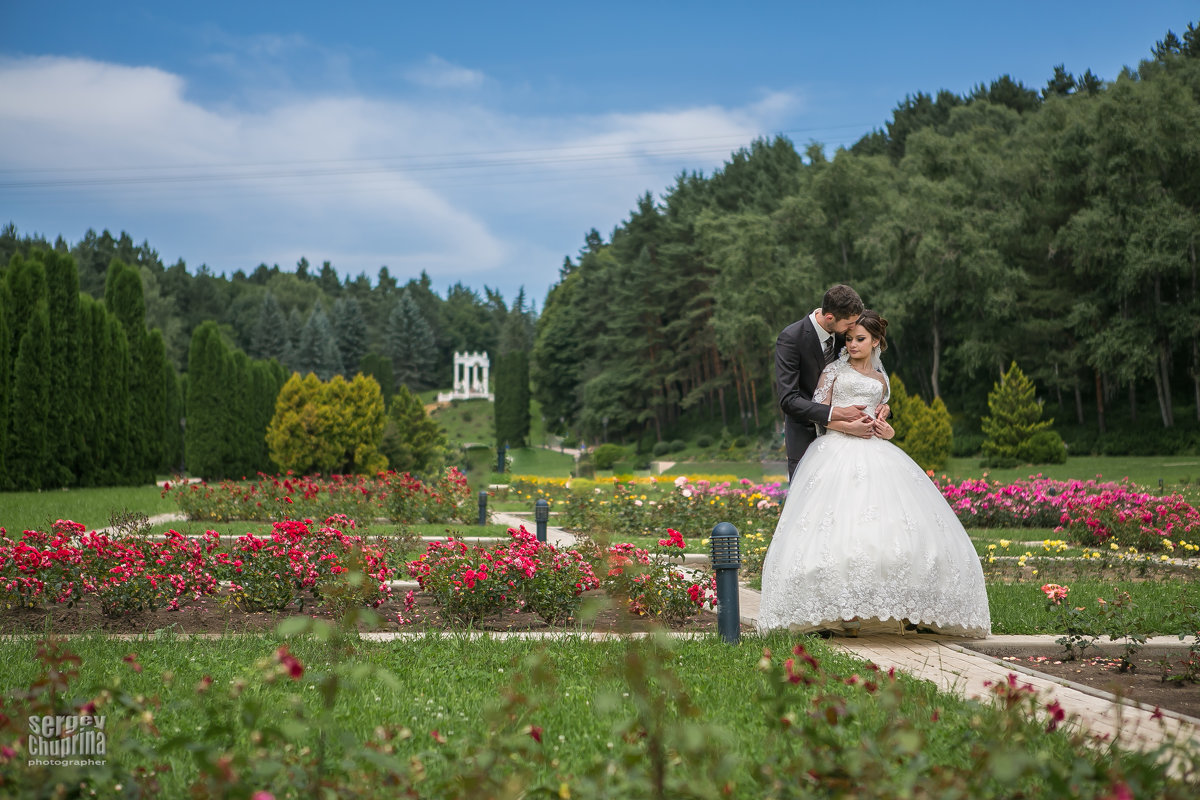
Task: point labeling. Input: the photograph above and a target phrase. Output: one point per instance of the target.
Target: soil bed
(1145, 685)
(215, 615)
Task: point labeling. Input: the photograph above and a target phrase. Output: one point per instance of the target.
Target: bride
(865, 541)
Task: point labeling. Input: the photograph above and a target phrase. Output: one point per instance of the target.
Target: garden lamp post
(726, 559)
(482, 507)
(541, 515)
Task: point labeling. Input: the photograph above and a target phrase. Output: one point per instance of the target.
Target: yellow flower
(1005, 543)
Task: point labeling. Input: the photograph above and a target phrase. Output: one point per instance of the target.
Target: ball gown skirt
(864, 533)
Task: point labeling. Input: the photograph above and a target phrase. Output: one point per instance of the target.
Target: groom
(801, 353)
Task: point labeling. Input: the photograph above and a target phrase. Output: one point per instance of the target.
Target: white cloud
(437, 73)
(466, 192)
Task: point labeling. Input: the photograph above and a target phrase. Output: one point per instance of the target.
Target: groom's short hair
(842, 302)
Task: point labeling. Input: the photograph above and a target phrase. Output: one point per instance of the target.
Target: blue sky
(477, 141)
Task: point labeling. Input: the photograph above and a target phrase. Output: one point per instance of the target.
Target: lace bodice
(850, 387)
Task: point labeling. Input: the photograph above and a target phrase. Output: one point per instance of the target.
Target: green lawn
(21, 511)
(538, 461)
(470, 422)
(1166, 607)
(601, 711)
(742, 469)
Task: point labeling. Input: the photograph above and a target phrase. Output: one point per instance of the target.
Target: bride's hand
(883, 430)
(864, 428)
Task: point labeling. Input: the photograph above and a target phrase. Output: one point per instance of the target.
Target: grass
(742, 469)
(587, 694)
(21, 511)
(471, 421)
(1021, 608)
(537, 461)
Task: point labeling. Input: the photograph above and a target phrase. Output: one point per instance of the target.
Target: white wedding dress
(865, 533)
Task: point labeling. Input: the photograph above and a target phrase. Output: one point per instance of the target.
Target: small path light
(482, 507)
(726, 559)
(541, 515)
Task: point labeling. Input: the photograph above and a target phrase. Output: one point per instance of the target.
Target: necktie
(829, 350)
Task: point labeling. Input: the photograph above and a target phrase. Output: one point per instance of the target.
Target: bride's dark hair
(875, 325)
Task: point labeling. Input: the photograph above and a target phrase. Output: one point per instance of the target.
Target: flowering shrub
(470, 583)
(130, 573)
(40, 566)
(627, 510)
(397, 496)
(267, 574)
(652, 584)
(1087, 512)
(1134, 519)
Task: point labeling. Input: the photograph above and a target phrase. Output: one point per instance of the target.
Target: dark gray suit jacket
(799, 360)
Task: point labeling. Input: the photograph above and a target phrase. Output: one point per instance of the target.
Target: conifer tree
(350, 327)
(271, 337)
(412, 441)
(317, 351)
(29, 354)
(930, 434)
(1014, 417)
(5, 383)
(208, 424)
(119, 466)
(410, 343)
(380, 368)
(511, 415)
(92, 454)
(125, 301)
(924, 431)
(64, 438)
(328, 427)
(172, 431)
(28, 456)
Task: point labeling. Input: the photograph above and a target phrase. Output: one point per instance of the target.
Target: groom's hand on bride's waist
(863, 428)
(847, 413)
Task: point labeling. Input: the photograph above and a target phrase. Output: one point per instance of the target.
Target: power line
(481, 160)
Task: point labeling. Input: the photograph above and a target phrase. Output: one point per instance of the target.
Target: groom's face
(840, 326)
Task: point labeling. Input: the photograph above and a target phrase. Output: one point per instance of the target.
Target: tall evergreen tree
(26, 435)
(28, 452)
(511, 412)
(271, 338)
(62, 418)
(410, 343)
(208, 425)
(317, 351)
(379, 367)
(412, 441)
(116, 378)
(124, 299)
(5, 382)
(350, 327)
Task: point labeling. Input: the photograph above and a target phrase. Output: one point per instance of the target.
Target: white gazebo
(470, 378)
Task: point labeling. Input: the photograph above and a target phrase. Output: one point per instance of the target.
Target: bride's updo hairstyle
(875, 325)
